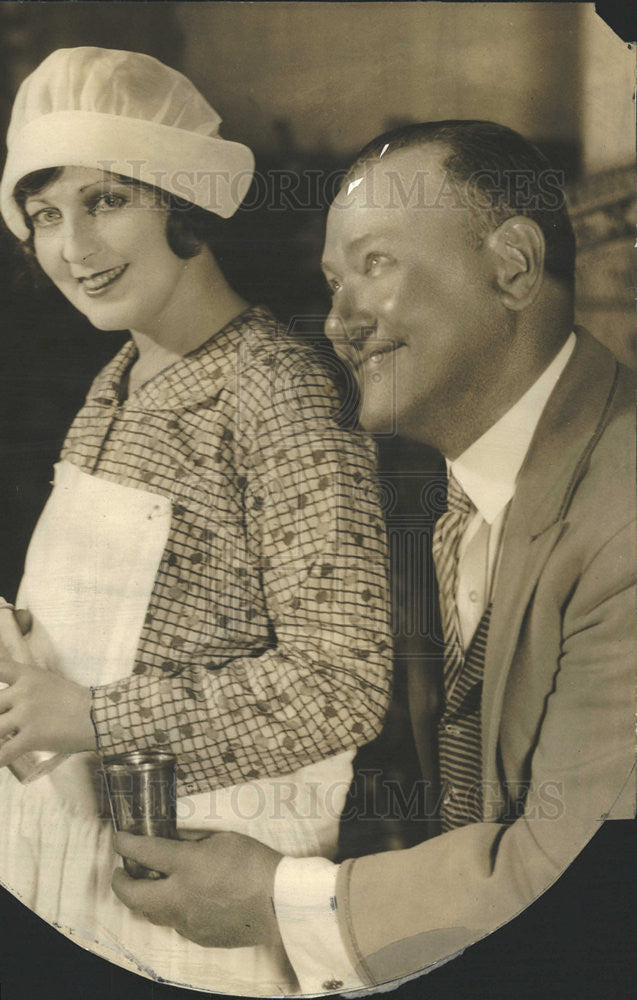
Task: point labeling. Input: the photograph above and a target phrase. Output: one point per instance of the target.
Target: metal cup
(142, 792)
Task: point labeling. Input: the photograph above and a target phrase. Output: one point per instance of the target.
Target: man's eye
(44, 218)
(333, 286)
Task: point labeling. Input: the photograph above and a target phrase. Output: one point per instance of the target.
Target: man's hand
(44, 710)
(217, 892)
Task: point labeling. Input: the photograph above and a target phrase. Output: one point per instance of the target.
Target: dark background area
(306, 85)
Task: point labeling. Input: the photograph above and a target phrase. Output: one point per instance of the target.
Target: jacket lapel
(556, 461)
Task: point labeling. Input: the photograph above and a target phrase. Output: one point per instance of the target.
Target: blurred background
(306, 85)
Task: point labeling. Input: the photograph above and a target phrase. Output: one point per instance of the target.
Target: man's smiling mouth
(99, 282)
(374, 354)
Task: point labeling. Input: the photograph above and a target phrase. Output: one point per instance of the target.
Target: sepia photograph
(317, 597)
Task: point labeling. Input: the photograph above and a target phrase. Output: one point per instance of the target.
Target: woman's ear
(519, 249)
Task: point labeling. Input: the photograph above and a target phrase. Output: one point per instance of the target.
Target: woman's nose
(78, 241)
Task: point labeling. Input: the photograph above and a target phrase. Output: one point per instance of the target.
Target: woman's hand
(44, 711)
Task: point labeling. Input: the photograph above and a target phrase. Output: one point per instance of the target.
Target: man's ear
(519, 248)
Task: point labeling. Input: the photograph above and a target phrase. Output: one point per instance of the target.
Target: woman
(208, 576)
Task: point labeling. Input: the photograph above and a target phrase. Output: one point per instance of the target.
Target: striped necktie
(446, 542)
(460, 737)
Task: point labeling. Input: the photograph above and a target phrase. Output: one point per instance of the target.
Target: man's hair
(188, 227)
(497, 174)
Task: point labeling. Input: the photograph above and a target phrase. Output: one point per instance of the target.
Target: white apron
(88, 578)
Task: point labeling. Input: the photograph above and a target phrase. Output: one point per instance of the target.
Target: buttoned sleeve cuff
(306, 909)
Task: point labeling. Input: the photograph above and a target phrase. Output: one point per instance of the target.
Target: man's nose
(78, 241)
(348, 319)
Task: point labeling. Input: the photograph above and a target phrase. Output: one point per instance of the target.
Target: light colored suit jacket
(558, 695)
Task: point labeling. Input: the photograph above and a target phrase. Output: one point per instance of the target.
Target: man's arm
(230, 891)
(403, 911)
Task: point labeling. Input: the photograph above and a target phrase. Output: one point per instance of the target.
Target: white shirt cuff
(305, 903)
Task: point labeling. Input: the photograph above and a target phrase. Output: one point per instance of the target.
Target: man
(449, 255)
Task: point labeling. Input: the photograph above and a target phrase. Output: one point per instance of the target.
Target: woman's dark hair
(188, 227)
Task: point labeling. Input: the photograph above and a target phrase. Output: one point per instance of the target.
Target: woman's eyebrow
(99, 183)
(35, 199)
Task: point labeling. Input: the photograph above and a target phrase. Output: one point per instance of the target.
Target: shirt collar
(488, 469)
(182, 381)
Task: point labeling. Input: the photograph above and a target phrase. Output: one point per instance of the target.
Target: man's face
(415, 307)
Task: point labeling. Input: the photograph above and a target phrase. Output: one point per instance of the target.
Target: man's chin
(377, 421)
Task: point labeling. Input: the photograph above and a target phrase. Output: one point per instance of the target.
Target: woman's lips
(98, 283)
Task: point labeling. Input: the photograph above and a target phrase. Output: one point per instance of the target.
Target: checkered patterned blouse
(267, 642)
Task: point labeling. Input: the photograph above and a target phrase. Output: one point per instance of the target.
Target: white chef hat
(126, 113)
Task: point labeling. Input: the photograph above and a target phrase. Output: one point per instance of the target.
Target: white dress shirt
(305, 888)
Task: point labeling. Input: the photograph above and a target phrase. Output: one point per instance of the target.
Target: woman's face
(103, 243)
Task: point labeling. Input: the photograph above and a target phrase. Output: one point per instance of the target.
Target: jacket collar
(565, 436)
(569, 428)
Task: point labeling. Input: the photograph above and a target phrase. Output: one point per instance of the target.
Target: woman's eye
(375, 260)
(107, 202)
(45, 217)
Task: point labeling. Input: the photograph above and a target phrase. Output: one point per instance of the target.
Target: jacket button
(333, 984)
